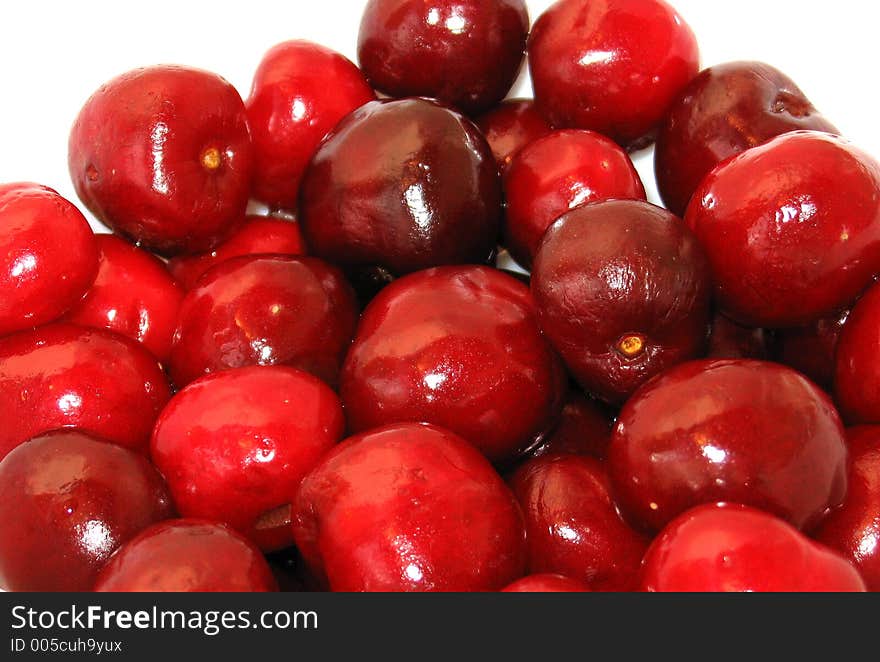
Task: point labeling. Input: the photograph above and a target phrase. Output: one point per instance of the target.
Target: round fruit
(510, 126)
(584, 428)
(856, 378)
(546, 583)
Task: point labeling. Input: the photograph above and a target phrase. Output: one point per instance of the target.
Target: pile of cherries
(349, 394)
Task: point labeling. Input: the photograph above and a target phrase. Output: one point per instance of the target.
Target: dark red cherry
(403, 185)
(265, 310)
(409, 508)
(466, 53)
(510, 126)
(162, 155)
(727, 109)
(742, 431)
(584, 428)
(458, 347)
(729, 340)
(67, 501)
(811, 349)
(614, 66)
(622, 290)
(546, 583)
(857, 363)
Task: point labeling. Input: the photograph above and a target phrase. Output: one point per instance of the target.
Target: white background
(54, 54)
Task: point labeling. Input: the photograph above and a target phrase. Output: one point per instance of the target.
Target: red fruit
(741, 431)
(132, 295)
(733, 548)
(572, 525)
(614, 67)
(48, 256)
(458, 347)
(812, 349)
(265, 310)
(622, 291)
(510, 126)
(724, 111)
(584, 428)
(409, 508)
(559, 172)
(546, 583)
(163, 155)
(65, 376)
(792, 228)
(189, 556)
(300, 92)
(403, 185)
(854, 528)
(259, 235)
(67, 501)
(234, 446)
(729, 340)
(856, 376)
(466, 53)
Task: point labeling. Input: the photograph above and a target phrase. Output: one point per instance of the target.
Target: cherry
(186, 555)
(458, 347)
(622, 290)
(792, 228)
(300, 92)
(466, 53)
(856, 379)
(265, 310)
(162, 155)
(48, 256)
(259, 235)
(734, 548)
(572, 525)
(729, 340)
(556, 173)
(402, 185)
(743, 431)
(62, 375)
(727, 109)
(614, 67)
(584, 428)
(409, 508)
(812, 349)
(67, 501)
(133, 294)
(510, 126)
(546, 583)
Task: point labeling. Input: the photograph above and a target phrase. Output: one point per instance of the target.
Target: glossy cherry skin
(403, 185)
(67, 501)
(546, 583)
(235, 445)
(163, 155)
(265, 310)
(734, 548)
(409, 508)
(458, 347)
(466, 53)
(792, 228)
(66, 376)
(743, 431)
(727, 109)
(854, 528)
(510, 126)
(300, 92)
(856, 379)
(133, 295)
(48, 256)
(186, 556)
(613, 66)
(584, 428)
(729, 340)
(812, 349)
(559, 172)
(260, 235)
(622, 290)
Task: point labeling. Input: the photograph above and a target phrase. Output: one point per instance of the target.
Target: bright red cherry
(812, 349)
(66, 376)
(133, 295)
(409, 508)
(186, 556)
(48, 256)
(734, 548)
(300, 92)
(458, 347)
(561, 171)
(546, 583)
(584, 428)
(234, 446)
(572, 525)
(743, 431)
(613, 66)
(67, 501)
(466, 53)
(163, 155)
(265, 310)
(510, 126)
(792, 228)
(856, 378)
